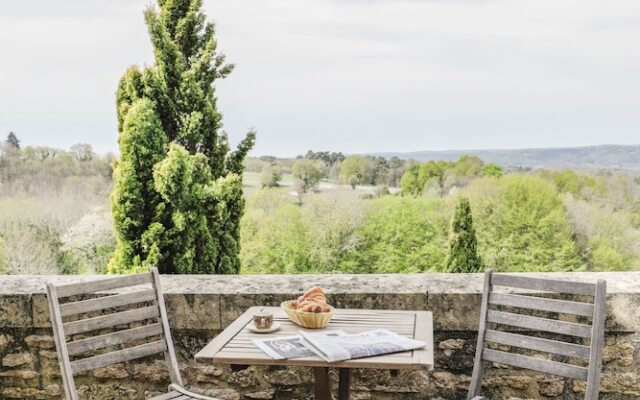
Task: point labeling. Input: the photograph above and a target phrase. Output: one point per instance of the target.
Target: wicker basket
(305, 319)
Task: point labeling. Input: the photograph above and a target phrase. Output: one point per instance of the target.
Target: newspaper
(294, 346)
(337, 345)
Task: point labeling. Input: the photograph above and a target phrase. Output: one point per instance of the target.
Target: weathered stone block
(551, 387)
(40, 341)
(249, 377)
(156, 371)
(448, 381)
(106, 391)
(193, 311)
(223, 394)
(452, 344)
(15, 311)
(261, 395)
(24, 393)
(114, 371)
(233, 305)
(17, 359)
(40, 311)
(619, 351)
(289, 376)
(206, 373)
(455, 311)
(621, 383)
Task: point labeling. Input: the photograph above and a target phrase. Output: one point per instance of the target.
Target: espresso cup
(263, 319)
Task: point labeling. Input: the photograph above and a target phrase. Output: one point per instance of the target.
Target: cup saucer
(274, 327)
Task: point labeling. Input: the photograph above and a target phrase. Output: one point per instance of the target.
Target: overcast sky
(345, 75)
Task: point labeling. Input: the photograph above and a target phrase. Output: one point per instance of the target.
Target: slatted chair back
(99, 323)
(497, 325)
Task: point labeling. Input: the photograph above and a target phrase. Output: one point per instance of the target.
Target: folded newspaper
(337, 345)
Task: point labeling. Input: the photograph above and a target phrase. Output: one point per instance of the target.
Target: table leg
(344, 385)
(323, 389)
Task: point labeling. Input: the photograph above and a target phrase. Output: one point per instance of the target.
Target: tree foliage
(492, 169)
(522, 225)
(463, 253)
(307, 173)
(270, 176)
(169, 121)
(357, 170)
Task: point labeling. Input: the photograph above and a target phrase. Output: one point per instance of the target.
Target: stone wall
(201, 306)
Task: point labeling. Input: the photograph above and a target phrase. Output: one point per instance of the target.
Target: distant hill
(610, 157)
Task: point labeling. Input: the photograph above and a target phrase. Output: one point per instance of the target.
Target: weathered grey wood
(167, 396)
(190, 394)
(111, 320)
(540, 303)
(546, 285)
(234, 345)
(103, 284)
(105, 302)
(424, 331)
(536, 364)
(159, 329)
(539, 324)
(595, 331)
(476, 377)
(170, 355)
(60, 340)
(112, 339)
(131, 353)
(538, 344)
(597, 341)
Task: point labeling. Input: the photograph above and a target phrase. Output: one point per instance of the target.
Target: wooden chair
(149, 317)
(491, 319)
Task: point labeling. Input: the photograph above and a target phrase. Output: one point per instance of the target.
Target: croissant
(315, 292)
(310, 306)
(313, 300)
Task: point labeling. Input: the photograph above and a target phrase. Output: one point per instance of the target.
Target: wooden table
(235, 346)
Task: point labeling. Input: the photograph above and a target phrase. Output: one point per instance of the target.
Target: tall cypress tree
(463, 255)
(177, 198)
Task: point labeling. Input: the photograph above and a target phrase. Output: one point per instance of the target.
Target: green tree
(463, 254)
(409, 183)
(416, 176)
(468, 166)
(357, 170)
(308, 173)
(270, 176)
(396, 168)
(431, 170)
(168, 119)
(492, 169)
(522, 225)
(380, 171)
(399, 234)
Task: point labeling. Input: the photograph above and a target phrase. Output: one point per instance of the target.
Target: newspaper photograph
(294, 346)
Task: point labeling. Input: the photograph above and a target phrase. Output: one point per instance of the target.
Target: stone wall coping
(429, 283)
(211, 302)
